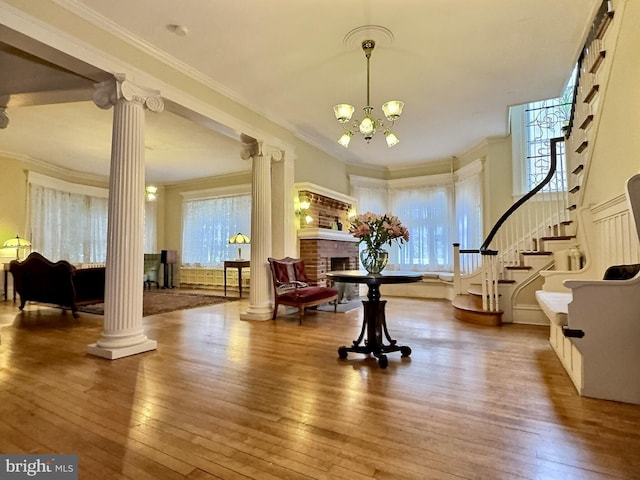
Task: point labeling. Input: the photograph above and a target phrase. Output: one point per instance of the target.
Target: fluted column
(122, 333)
(260, 307)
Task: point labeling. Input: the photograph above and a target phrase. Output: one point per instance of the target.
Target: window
(68, 221)
(427, 213)
(209, 222)
(436, 211)
(534, 124)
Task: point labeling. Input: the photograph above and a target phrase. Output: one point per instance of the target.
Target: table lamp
(239, 238)
(17, 243)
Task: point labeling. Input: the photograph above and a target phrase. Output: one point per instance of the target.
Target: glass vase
(373, 260)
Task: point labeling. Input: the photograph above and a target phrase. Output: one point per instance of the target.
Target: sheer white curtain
(427, 207)
(372, 196)
(67, 224)
(208, 224)
(427, 212)
(468, 196)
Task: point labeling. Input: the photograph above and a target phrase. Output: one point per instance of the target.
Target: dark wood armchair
(294, 288)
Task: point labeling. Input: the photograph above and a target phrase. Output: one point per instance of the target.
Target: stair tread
(466, 310)
(559, 237)
(537, 252)
(466, 302)
(518, 267)
(475, 292)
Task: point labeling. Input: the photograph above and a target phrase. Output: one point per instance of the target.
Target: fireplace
(340, 263)
(322, 255)
(346, 291)
(322, 246)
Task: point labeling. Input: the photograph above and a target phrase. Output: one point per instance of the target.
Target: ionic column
(122, 333)
(261, 230)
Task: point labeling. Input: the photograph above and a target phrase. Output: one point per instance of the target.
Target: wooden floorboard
(228, 399)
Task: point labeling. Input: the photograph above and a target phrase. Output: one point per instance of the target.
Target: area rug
(162, 301)
(343, 307)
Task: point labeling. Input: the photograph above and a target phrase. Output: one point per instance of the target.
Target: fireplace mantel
(325, 234)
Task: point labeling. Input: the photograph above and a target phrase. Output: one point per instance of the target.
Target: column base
(115, 353)
(257, 313)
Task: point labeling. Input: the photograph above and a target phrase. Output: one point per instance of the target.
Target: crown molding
(35, 163)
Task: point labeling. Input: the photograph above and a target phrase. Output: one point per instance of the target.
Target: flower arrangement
(375, 230)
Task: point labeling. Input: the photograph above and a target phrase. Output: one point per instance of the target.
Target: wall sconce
(304, 204)
(150, 192)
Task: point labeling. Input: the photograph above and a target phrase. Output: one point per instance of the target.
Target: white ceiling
(457, 65)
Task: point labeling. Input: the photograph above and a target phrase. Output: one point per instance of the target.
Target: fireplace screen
(346, 291)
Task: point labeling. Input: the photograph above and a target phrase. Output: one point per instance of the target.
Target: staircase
(528, 238)
(538, 232)
(515, 286)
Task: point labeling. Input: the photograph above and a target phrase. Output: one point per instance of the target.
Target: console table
(239, 264)
(374, 322)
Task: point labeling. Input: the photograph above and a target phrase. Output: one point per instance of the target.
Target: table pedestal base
(374, 327)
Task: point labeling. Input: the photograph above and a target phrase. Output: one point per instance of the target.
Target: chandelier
(368, 126)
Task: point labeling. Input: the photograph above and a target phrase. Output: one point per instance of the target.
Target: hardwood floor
(227, 399)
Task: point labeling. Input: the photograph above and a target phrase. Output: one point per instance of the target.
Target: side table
(239, 264)
(374, 330)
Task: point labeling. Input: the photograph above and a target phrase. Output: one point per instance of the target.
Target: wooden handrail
(552, 170)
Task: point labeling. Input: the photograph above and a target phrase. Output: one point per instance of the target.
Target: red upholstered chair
(293, 287)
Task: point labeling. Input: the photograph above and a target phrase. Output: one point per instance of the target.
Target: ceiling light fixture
(368, 126)
(151, 192)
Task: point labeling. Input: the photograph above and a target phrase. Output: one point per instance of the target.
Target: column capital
(255, 148)
(107, 93)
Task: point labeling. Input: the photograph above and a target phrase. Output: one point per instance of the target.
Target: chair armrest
(292, 284)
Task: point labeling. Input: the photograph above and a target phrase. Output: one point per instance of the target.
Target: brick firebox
(319, 248)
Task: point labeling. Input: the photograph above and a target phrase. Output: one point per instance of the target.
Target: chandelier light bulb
(367, 127)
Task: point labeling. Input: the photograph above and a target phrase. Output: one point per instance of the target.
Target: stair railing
(537, 214)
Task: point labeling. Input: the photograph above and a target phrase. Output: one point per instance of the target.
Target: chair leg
(275, 310)
(301, 314)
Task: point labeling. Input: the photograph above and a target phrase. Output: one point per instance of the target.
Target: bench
(595, 331)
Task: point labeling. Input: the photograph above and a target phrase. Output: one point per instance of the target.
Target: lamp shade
(343, 112)
(391, 138)
(239, 238)
(392, 110)
(16, 242)
(345, 139)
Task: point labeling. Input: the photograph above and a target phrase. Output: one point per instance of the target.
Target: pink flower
(376, 230)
